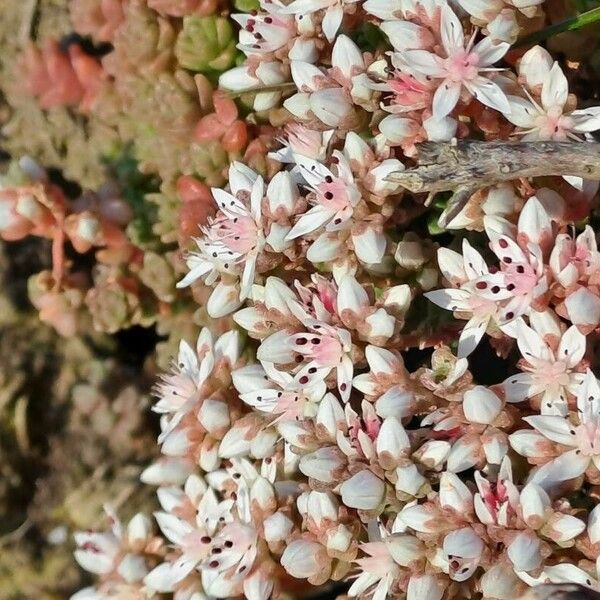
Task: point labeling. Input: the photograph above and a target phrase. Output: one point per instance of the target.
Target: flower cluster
(333, 421)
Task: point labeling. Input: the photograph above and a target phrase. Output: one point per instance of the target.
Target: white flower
(246, 79)
(461, 67)
(549, 372)
(582, 437)
(475, 294)
(547, 120)
(332, 19)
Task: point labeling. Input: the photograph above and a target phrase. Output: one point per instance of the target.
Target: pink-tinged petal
(445, 98)
(404, 549)
(305, 76)
(346, 56)
(224, 300)
(481, 9)
(454, 494)
(332, 21)
(535, 65)
(563, 528)
(583, 308)
(500, 581)
(451, 30)
(392, 438)
(425, 586)
(425, 63)
(528, 443)
(351, 295)
(298, 105)
(464, 455)
(535, 222)
(471, 335)
(495, 447)
(516, 387)
(409, 480)
(555, 89)
(563, 468)
(381, 325)
(167, 471)
(398, 130)
(174, 528)
(406, 35)
(489, 93)
(423, 519)
(572, 347)
(546, 323)
(383, 361)
(554, 428)
(490, 51)
(282, 193)
(534, 503)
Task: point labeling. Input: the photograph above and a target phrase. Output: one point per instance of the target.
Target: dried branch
(560, 591)
(467, 166)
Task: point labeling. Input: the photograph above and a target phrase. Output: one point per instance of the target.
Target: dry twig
(467, 166)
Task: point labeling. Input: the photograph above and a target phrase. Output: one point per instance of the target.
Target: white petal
(445, 98)
(481, 405)
(524, 552)
(332, 21)
(364, 491)
(554, 428)
(555, 88)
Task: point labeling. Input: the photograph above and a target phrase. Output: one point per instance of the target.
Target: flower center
(238, 234)
(588, 436)
(462, 65)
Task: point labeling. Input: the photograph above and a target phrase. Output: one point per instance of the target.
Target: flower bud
(302, 559)
(364, 491)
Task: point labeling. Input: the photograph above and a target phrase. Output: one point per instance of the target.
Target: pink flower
(461, 67)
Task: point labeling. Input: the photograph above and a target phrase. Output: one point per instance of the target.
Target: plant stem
(571, 24)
